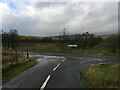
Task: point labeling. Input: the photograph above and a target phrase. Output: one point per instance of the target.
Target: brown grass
(101, 75)
(9, 58)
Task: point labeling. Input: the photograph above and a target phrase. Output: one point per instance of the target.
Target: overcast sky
(49, 18)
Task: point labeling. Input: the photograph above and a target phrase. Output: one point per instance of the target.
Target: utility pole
(2, 32)
(64, 37)
(64, 32)
(2, 40)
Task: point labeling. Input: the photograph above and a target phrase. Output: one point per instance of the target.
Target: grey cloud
(76, 17)
(40, 5)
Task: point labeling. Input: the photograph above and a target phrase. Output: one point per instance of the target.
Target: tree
(13, 34)
(87, 40)
(10, 39)
(111, 43)
(47, 39)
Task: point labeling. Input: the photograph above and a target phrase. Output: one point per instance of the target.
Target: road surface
(56, 71)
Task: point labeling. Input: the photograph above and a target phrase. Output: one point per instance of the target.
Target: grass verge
(13, 70)
(101, 76)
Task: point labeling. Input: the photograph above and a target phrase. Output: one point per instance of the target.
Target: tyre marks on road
(89, 59)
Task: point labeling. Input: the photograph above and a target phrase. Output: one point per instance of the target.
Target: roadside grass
(14, 69)
(101, 76)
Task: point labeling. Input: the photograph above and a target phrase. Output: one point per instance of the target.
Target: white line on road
(98, 59)
(62, 57)
(63, 60)
(56, 67)
(45, 83)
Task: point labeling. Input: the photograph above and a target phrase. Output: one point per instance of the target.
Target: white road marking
(63, 60)
(81, 58)
(45, 83)
(56, 67)
(98, 59)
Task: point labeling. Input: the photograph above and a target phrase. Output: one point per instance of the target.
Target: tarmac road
(56, 71)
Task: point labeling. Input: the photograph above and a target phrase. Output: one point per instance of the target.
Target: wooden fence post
(27, 54)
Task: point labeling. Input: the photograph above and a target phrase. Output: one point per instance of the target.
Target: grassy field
(36, 47)
(13, 70)
(101, 76)
(51, 47)
(45, 47)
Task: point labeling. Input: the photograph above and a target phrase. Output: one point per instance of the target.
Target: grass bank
(13, 70)
(101, 76)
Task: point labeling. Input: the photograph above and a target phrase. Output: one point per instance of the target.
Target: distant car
(72, 46)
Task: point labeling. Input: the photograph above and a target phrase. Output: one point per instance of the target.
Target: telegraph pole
(1, 40)
(2, 32)
(64, 31)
